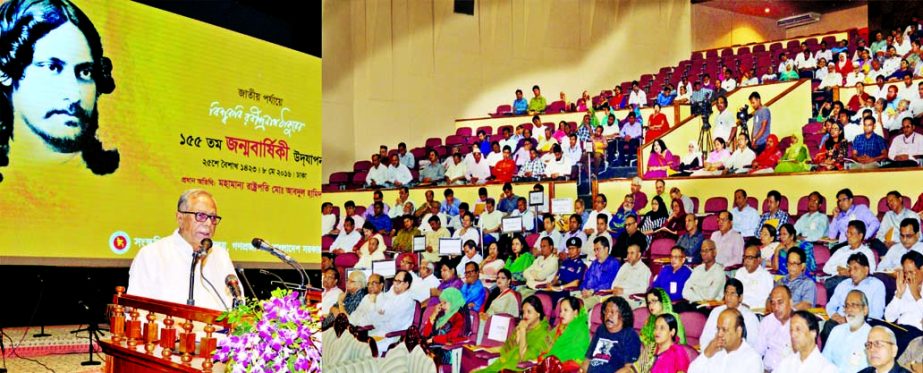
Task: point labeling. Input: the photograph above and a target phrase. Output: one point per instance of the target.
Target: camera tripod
(705, 139)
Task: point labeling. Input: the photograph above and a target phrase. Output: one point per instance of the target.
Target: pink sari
(658, 160)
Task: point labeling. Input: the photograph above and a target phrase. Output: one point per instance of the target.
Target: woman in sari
(656, 124)
(571, 337)
(492, 264)
(676, 222)
(562, 132)
(659, 162)
(787, 240)
(520, 259)
(530, 338)
(691, 161)
(834, 152)
(502, 299)
(766, 161)
(715, 161)
(795, 158)
(768, 245)
(666, 354)
(447, 324)
(655, 218)
(658, 303)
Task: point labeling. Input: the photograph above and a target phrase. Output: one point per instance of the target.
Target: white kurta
(161, 271)
(815, 363)
(742, 360)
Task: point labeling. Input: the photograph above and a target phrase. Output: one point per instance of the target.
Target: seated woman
(714, 164)
(768, 245)
(789, 73)
(691, 161)
(675, 225)
(666, 354)
(571, 338)
(834, 151)
(530, 338)
(657, 124)
(600, 144)
(795, 158)
(766, 161)
(654, 219)
(660, 162)
(658, 303)
(447, 324)
(562, 132)
(520, 259)
(740, 160)
(368, 233)
(491, 265)
(787, 240)
(502, 299)
(450, 280)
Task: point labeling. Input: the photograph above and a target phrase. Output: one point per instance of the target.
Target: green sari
(537, 340)
(518, 266)
(647, 332)
(795, 159)
(574, 340)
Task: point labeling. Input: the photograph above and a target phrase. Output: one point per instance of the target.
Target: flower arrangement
(275, 335)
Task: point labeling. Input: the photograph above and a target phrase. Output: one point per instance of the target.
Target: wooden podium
(159, 347)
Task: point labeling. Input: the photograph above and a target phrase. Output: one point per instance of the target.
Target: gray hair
(865, 299)
(358, 277)
(891, 337)
(429, 265)
(189, 194)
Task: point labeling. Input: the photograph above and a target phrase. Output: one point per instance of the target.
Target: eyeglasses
(876, 344)
(753, 257)
(201, 217)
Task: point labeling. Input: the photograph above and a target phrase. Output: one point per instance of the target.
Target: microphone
(204, 248)
(233, 285)
(259, 244)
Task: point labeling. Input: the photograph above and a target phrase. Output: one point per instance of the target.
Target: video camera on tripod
(701, 106)
(743, 116)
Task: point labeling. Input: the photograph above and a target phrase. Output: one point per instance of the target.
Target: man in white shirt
(490, 219)
(456, 171)
(470, 256)
(528, 218)
(676, 194)
(906, 146)
(854, 76)
(775, 332)
(707, 280)
(909, 241)
(633, 277)
(394, 311)
(730, 353)
(602, 230)
(599, 207)
(478, 168)
(358, 220)
(364, 312)
(495, 154)
(637, 97)
(756, 279)
(331, 293)
(347, 239)
(434, 208)
(328, 220)
(550, 230)
(560, 166)
(848, 353)
(805, 62)
(745, 217)
(425, 282)
(378, 174)
(892, 221)
(806, 357)
(733, 293)
(161, 270)
(399, 174)
(729, 243)
(573, 150)
(724, 120)
(837, 264)
(832, 79)
(907, 306)
(892, 63)
(823, 52)
(544, 268)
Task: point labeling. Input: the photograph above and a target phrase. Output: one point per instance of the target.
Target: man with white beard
(848, 353)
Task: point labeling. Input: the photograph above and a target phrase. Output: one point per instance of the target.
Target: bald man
(732, 353)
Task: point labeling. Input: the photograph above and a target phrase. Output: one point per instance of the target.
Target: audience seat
(709, 225)
(546, 303)
(861, 200)
(362, 166)
(821, 255)
(502, 110)
(695, 204)
(640, 315)
(471, 359)
(359, 179)
(691, 352)
(433, 142)
(752, 202)
(782, 206)
(325, 242)
(660, 248)
(596, 317)
(821, 295)
(716, 204)
(693, 322)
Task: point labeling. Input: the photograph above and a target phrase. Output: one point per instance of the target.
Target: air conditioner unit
(799, 20)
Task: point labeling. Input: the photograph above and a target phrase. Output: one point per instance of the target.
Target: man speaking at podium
(161, 269)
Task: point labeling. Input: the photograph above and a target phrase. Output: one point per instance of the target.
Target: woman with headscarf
(795, 158)
(766, 161)
(691, 161)
(843, 64)
(447, 324)
(665, 354)
(834, 151)
(659, 162)
(658, 303)
(675, 225)
(526, 342)
(654, 219)
(571, 337)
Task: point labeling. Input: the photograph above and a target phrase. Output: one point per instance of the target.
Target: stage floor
(63, 351)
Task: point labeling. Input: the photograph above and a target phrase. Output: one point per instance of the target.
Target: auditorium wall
(400, 70)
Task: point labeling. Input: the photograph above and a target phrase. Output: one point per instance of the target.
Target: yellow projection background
(182, 87)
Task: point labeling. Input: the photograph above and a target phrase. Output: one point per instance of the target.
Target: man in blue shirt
(871, 288)
(666, 97)
(672, 278)
(691, 241)
(507, 200)
(472, 289)
(520, 105)
(379, 219)
(572, 269)
(630, 139)
(600, 274)
(451, 204)
(762, 121)
(869, 148)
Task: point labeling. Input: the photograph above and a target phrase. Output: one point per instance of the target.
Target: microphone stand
(41, 292)
(243, 276)
(195, 258)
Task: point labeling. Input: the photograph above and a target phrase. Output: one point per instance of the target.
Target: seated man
(629, 139)
(378, 175)
(347, 239)
(806, 356)
(456, 171)
(398, 173)
(435, 232)
(847, 212)
(756, 279)
(892, 222)
(572, 269)
(691, 240)
(881, 349)
(672, 278)
(425, 282)
(615, 345)
(838, 264)
(730, 352)
(599, 276)
(473, 290)
(812, 226)
(365, 311)
(433, 172)
(871, 288)
(520, 105)
(849, 350)
(775, 216)
(802, 288)
(559, 167)
(161, 270)
(351, 299)
(403, 240)
(543, 268)
(733, 293)
(489, 221)
(728, 242)
(907, 306)
(869, 148)
(375, 252)
(550, 230)
(331, 292)
(380, 219)
(533, 168)
(537, 104)
(602, 230)
(707, 280)
(776, 341)
(393, 312)
(574, 222)
(631, 236)
(477, 171)
(633, 277)
(906, 146)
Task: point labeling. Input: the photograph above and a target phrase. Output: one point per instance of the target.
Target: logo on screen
(119, 242)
